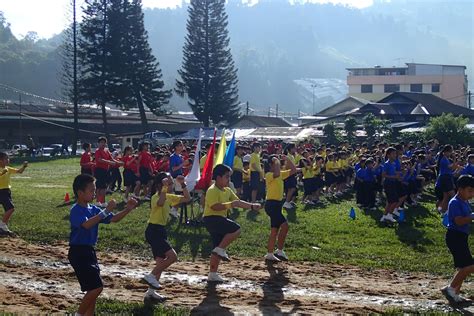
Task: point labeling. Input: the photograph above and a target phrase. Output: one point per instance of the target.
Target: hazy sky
(48, 17)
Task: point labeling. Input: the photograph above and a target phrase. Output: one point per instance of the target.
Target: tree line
(114, 64)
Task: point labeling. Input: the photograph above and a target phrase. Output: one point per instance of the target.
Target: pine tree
(137, 73)
(94, 83)
(208, 75)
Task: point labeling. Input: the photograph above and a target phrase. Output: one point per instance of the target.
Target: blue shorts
(83, 260)
(254, 180)
(129, 178)
(237, 179)
(157, 237)
(218, 227)
(145, 176)
(458, 245)
(445, 182)
(391, 191)
(273, 209)
(101, 178)
(6, 199)
(290, 182)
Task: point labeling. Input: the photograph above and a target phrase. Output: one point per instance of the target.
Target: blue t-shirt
(390, 169)
(468, 169)
(360, 174)
(79, 235)
(398, 164)
(458, 207)
(176, 160)
(357, 166)
(444, 167)
(369, 175)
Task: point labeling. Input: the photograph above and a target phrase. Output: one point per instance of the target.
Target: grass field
(325, 234)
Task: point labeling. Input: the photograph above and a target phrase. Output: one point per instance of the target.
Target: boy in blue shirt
(457, 235)
(85, 219)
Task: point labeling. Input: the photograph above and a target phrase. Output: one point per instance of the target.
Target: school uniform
(457, 236)
(216, 222)
(5, 193)
(81, 255)
(391, 187)
(86, 159)
(146, 172)
(236, 177)
(255, 171)
(101, 172)
(358, 185)
(331, 173)
(368, 187)
(155, 233)
(445, 180)
(308, 180)
(291, 182)
(274, 197)
(130, 171)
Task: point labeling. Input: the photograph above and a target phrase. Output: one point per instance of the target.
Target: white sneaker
(214, 277)
(152, 295)
(451, 295)
(221, 253)
(4, 228)
(280, 254)
(287, 205)
(396, 213)
(151, 280)
(293, 203)
(389, 217)
(271, 257)
(174, 212)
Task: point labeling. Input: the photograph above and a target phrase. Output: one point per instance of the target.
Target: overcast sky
(48, 17)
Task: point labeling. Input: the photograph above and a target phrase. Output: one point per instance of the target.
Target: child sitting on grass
(85, 219)
(5, 192)
(457, 235)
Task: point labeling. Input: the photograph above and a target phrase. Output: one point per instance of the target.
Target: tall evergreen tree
(137, 74)
(94, 79)
(208, 75)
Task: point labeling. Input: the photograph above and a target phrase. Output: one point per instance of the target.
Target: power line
(63, 126)
(16, 90)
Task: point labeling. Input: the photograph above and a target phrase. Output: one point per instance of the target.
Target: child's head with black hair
(470, 159)
(369, 163)
(221, 175)
(158, 182)
(256, 147)
(390, 153)
(465, 185)
(177, 146)
(84, 188)
(86, 147)
(102, 142)
(4, 160)
(128, 150)
(143, 146)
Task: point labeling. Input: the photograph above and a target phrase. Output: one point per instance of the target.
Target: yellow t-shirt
(5, 179)
(238, 164)
(275, 185)
(160, 214)
(298, 157)
(246, 176)
(308, 172)
(316, 170)
(331, 166)
(214, 195)
(255, 159)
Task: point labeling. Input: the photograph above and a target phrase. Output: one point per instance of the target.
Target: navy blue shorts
(145, 176)
(273, 209)
(157, 237)
(101, 178)
(129, 178)
(318, 183)
(458, 245)
(331, 178)
(6, 199)
(254, 180)
(391, 191)
(237, 179)
(290, 182)
(218, 227)
(84, 262)
(446, 183)
(86, 171)
(309, 186)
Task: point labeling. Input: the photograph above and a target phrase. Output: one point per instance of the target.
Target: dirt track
(35, 278)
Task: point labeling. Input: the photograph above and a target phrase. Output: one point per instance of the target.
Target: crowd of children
(269, 173)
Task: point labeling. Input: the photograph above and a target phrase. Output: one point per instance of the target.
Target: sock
(279, 251)
(440, 208)
(212, 273)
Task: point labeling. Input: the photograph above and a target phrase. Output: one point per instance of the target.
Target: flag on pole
(230, 153)
(193, 176)
(206, 176)
(221, 150)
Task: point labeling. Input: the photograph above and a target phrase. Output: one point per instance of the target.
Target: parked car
(157, 138)
(19, 150)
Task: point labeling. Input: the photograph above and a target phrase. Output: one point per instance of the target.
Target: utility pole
(269, 109)
(247, 109)
(313, 86)
(469, 99)
(75, 97)
(276, 111)
(21, 123)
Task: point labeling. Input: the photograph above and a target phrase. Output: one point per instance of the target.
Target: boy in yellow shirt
(155, 234)
(223, 231)
(5, 192)
(273, 206)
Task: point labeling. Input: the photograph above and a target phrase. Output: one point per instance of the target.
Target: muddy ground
(37, 278)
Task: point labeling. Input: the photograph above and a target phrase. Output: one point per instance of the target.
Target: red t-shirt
(132, 166)
(86, 159)
(146, 159)
(164, 166)
(104, 154)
